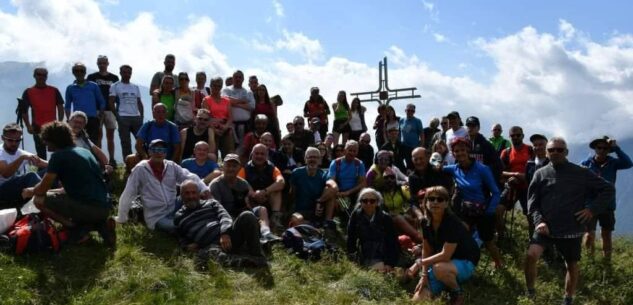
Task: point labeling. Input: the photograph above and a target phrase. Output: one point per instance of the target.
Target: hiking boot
(108, 233)
(275, 220)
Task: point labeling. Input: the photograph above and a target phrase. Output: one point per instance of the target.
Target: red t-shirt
(219, 110)
(43, 102)
(516, 160)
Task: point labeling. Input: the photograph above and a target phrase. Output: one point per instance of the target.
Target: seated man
(312, 192)
(82, 205)
(349, 174)
(253, 137)
(233, 193)
(14, 167)
(158, 128)
(394, 145)
(202, 224)
(155, 181)
(201, 165)
(266, 180)
(201, 131)
(365, 150)
(77, 122)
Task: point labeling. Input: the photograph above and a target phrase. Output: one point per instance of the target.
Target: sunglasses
(368, 201)
(556, 149)
(158, 150)
(435, 199)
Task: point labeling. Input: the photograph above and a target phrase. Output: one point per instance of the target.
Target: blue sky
(549, 66)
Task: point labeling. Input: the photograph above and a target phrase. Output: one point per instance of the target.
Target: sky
(554, 67)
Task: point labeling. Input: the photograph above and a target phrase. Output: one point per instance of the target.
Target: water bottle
(436, 159)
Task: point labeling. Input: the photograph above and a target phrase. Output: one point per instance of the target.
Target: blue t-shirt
(307, 188)
(410, 130)
(79, 172)
(167, 132)
(472, 182)
(348, 173)
(200, 170)
(86, 97)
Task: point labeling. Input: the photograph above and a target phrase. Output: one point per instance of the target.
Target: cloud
(297, 42)
(439, 37)
(554, 83)
(279, 9)
(432, 10)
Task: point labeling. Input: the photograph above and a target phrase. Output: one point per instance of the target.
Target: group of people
(212, 167)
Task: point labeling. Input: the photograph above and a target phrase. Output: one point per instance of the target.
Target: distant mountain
(15, 77)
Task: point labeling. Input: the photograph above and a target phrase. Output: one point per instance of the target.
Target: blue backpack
(305, 241)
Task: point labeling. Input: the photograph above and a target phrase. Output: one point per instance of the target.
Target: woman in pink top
(221, 119)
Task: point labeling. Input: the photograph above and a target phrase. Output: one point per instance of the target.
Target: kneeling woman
(371, 237)
(449, 254)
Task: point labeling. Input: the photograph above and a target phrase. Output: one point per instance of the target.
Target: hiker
(411, 134)
(396, 203)
(219, 108)
(203, 224)
(105, 80)
(423, 175)
(449, 254)
(201, 164)
(557, 205)
(365, 150)
(317, 107)
(349, 174)
(455, 130)
(242, 105)
(155, 181)
(84, 95)
(342, 118)
(384, 161)
(169, 63)
(77, 122)
(125, 101)
(497, 140)
(200, 131)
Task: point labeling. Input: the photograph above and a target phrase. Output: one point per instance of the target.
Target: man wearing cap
(155, 182)
(394, 145)
(497, 140)
(455, 130)
(267, 182)
(411, 134)
(605, 166)
(234, 193)
(316, 107)
(158, 128)
(481, 149)
(557, 203)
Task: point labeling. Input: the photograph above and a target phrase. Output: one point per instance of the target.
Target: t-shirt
(43, 101)
(167, 132)
(86, 97)
(453, 231)
(240, 114)
(410, 130)
(201, 170)
(307, 189)
(516, 160)
(169, 100)
(461, 132)
(356, 123)
(232, 197)
(219, 110)
(9, 158)
(104, 82)
(127, 96)
(157, 79)
(79, 172)
(348, 173)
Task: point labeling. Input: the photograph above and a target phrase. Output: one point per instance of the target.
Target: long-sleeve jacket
(475, 184)
(485, 153)
(158, 197)
(375, 238)
(557, 192)
(202, 225)
(608, 169)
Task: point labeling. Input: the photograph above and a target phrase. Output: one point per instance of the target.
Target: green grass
(148, 268)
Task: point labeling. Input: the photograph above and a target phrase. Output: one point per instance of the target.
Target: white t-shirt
(355, 124)
(240, 114)
(128, 95)
(7, 157)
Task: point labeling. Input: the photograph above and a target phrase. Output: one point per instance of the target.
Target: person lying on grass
(204, 224)
(449, 253)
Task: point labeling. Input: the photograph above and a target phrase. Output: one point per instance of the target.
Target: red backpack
(34, 233)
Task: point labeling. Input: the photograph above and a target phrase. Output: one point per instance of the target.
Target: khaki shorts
(109, 120)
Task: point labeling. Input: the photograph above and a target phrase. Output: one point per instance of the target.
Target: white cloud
(430, 7)
(279, 9)
(540, 82)
(297, 42)
(439, 37)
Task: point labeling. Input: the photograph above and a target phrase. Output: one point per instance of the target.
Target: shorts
(338, 127)
(465, 270)
(485, 225)
(79, 212)
(569, 248)
(606, 220)
(109, 120)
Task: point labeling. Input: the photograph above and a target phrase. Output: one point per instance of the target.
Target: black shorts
(337, 126)
(606, 220)
(485, 225)
(569, 248)
(93, 126)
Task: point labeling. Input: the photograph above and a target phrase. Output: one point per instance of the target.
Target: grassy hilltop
(148, 268)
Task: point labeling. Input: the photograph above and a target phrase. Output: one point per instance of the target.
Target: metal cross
(384, 95)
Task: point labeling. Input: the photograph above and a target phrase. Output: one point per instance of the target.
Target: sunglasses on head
(556, 149)
(368, 201)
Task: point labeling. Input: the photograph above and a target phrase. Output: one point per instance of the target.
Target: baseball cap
(158, 142)
(537, 136)
(472, 120)
(232, 157)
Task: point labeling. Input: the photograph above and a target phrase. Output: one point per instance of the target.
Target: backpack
(34, 233)
(305, 241)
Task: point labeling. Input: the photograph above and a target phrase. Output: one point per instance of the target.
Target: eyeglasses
(368, 201)
(556, 149)
(435, 199)
(158, 150)
(516, 135)
(11, 140)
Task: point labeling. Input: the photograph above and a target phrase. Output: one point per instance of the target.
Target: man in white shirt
(129, 108)
(242, 104)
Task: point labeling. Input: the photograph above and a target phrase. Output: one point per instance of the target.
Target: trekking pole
(18, 119)
(512, 224)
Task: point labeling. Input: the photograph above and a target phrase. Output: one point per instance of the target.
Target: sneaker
(269, 238)
(108, 233)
